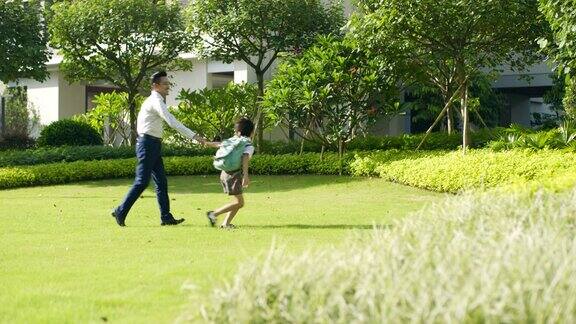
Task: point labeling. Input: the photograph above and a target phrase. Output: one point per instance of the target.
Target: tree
(23, 50)
(119, 41)
(257, 31)
(214, 111)
(446, 43)
(332, 92)
(560, 46)
(109, 117)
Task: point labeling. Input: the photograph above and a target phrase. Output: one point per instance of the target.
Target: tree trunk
(259, 117)
(340, 155)
(132, 107)
(464, 104)
(440, 115)
(449, 121)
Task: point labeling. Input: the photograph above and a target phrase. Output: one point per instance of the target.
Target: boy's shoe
(229, 226)
(211, 218)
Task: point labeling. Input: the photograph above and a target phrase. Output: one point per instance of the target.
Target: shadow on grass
(211, 183)
(309, 226)
(281, 226)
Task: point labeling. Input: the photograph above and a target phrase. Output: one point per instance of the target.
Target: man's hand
(212, 144)
(245, 181)
(201, 140)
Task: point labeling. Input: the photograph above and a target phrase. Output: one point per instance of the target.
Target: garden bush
(516, 136)
(44, 155)
(478, 169)
(69, 132)
(435, 141)
(57, 173)
(470, 259)
(433, 170)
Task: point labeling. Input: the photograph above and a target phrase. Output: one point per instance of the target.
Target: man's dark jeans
(150, 164)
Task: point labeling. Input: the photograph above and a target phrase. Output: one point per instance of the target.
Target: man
(148, 151)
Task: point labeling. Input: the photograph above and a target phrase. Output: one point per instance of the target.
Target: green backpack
(229, 155)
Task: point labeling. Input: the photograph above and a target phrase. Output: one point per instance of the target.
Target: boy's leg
(239, 203)
(235, 205)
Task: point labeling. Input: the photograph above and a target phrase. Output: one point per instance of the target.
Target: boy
(233, 181)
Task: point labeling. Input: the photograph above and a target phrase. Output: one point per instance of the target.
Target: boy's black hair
(155, 78)
(245, 126)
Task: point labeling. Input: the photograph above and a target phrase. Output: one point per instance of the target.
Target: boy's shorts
(231, 182)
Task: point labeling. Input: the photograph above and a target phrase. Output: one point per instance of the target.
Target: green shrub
(212, 112)
(454, 172)
(433, 170)
(109, 116)
(21, 120)
(561, 137)
(57, 173)
(435, 141)
(68, 132)
(488, 258)
(44, 155)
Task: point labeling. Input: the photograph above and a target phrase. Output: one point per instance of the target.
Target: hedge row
(58, 173)
(88, 153)
(435, 141)
(478, 169)
(433, 170)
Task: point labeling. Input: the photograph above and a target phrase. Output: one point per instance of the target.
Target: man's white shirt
(151, 115)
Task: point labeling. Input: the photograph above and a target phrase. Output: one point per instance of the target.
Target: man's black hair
(155, 78)
(245, 126)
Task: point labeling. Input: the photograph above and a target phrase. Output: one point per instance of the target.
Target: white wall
(195, 79)
(72, 99)
(44, 97)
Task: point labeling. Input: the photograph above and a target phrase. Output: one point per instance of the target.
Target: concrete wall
(539, 77)
(72, 99)
(195, 79)
(520, 109)
(44, 97)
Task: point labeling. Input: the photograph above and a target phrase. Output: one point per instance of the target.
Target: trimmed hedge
(87, 153)
(478, 169)
(433, 170)
(90, 153)
(435, 141)
(58, 173)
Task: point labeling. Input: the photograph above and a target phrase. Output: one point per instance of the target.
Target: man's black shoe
(171, 221)
(119, 221)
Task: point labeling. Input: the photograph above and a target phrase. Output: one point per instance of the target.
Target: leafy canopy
(213, 112)
(332, 91)
(560, 45)
(23, 50)
(242, 29)
(119, 41)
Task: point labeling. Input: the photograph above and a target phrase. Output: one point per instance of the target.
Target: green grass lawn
(63, 258)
